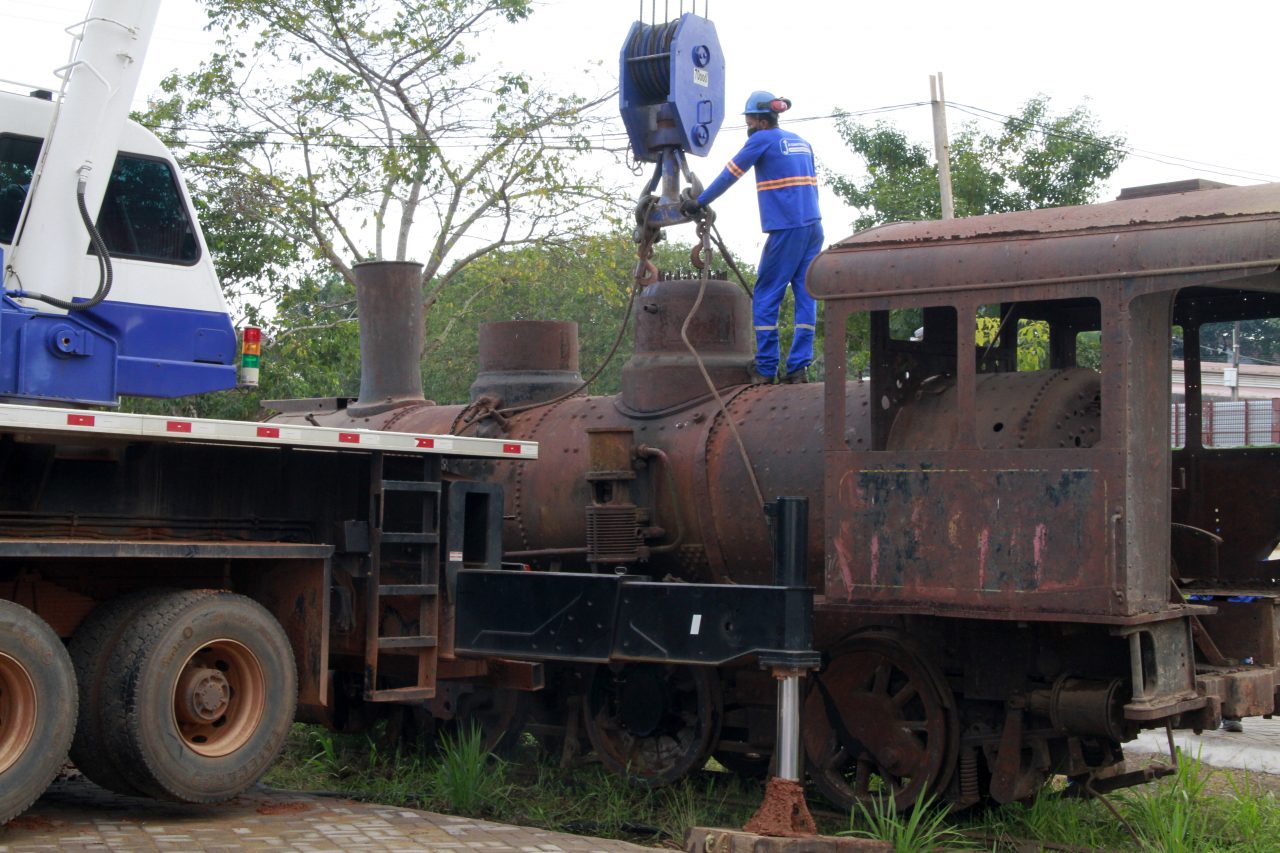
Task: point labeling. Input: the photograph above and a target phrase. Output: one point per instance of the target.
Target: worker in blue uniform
(787, 190)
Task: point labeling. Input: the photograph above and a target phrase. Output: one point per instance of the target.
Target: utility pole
(941, 145)
(1235, 362)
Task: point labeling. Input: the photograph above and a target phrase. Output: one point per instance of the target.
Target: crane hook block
(671, 89)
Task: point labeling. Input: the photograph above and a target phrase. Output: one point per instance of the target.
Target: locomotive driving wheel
(653, 723)
(879, 721)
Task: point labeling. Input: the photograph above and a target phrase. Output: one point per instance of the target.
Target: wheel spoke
(880, 682)
(905, 695)
(904, 748)
(862, 778)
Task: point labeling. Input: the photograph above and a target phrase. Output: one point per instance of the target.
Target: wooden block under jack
(702, 839)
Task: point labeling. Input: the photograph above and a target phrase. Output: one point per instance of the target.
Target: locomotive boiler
(1015, 570)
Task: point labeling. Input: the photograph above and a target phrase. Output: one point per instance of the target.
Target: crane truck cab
(145, 315)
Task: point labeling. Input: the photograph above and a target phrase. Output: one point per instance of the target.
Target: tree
(1036, 160)
(588, 282)
(312, 348)
(354, 130)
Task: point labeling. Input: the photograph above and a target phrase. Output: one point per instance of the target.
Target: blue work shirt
(786, 182)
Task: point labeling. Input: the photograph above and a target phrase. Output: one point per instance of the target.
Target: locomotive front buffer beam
(589, 618)
(594, 618)
(597, 618)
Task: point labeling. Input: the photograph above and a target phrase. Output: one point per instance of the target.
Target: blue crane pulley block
(671, 92)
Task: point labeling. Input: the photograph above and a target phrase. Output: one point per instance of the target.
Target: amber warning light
(250, 355)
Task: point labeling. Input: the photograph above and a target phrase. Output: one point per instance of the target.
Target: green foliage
(587, 281)
(322, 133)
(1251, 816)
(921, 829)
(1187, 811)
(467, 778)
(459, 779)
(312, 346)
(1033, 340)
(1036, 160)
(1049, 817)
(1170, 817)
(326, 759)
(311, 349)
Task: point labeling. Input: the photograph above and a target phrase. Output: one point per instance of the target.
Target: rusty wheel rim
(219, 698)
(18, 711)
(653, 723)
(898, 720)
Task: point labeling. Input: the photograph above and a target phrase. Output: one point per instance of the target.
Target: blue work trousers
(785, 260)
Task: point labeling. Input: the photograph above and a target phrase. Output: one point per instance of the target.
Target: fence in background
(1230, 423)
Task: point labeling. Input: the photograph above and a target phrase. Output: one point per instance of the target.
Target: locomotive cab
(1021, 500)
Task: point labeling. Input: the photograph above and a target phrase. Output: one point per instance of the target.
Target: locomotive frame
(1017, 573)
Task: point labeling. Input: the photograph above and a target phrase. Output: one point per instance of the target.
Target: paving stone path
(1257, 748)
(78, 816)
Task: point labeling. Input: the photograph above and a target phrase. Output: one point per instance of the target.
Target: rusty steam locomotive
(1015, 571)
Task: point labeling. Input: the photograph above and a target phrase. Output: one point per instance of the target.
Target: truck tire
(91, 648)
(37, 707)
(208, 689)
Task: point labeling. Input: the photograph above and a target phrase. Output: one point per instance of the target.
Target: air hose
(99, 249)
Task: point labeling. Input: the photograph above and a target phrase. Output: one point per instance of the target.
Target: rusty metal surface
(1247, 521)
(696, 515)
(1248, 628)
(1241, 691)
(711, 529)
(389, 297)
(663, 374)
(1039, 410)
(1012, 532)
(1206, 233)
(879, 719)
(524, 361)
(954, 483)
(297, 595)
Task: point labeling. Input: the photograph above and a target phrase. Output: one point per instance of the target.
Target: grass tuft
(466, 777)
(920, 829)
(1195, 809)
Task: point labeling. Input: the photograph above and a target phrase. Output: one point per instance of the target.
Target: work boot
(796, 377)
(758, 378)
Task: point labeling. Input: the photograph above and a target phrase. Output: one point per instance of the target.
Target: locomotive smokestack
(527, 361)
(389, 298)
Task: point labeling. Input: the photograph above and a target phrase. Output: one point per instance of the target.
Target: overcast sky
(1184, 83)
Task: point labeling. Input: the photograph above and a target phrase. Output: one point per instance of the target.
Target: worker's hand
(690, 207)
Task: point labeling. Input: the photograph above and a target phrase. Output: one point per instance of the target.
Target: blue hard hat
(761, 103)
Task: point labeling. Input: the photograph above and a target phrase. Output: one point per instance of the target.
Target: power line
(1129, 150)
(608, 139)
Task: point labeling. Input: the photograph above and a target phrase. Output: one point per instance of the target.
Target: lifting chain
(700, 255)
(645, 236)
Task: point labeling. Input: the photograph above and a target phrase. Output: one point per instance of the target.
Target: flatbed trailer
(209, 576)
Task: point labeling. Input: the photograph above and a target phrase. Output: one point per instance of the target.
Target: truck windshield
(17, 162)
(143, 215)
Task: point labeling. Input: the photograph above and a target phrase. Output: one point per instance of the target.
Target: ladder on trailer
(403, 615)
